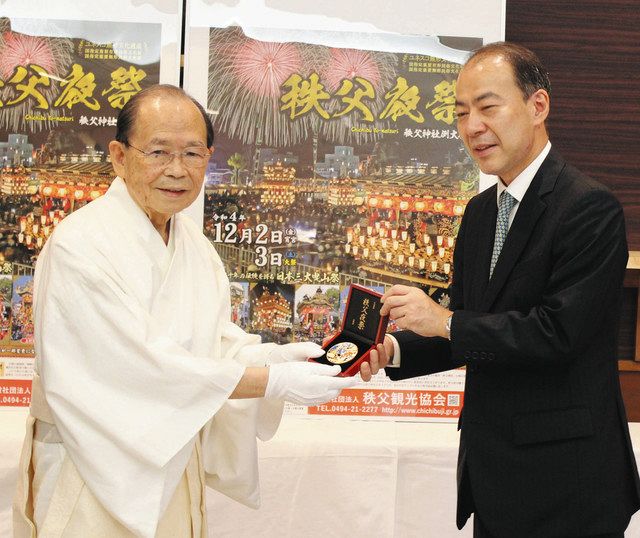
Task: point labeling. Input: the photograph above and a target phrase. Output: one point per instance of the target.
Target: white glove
(299, 351)
(306, 383)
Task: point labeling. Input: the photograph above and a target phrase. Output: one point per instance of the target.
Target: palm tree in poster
(237, 163)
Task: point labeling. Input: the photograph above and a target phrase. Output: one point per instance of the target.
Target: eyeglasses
(191, 157)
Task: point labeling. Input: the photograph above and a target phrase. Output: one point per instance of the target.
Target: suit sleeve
(589, 255)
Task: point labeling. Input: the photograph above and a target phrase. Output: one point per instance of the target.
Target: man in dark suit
(538, 269)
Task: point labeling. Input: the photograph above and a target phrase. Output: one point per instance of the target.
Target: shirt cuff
(395, 360)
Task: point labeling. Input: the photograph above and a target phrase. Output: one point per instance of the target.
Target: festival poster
(336, 166)
(62, 85)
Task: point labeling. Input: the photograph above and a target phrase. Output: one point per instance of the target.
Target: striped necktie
(505, 205)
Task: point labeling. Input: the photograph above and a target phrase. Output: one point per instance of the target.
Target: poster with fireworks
(334, 166)
(62, 85)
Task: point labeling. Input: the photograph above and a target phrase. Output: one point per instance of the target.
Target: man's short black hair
(528, 70)
(128, 113)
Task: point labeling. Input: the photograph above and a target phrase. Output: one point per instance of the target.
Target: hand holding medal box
(362, 328)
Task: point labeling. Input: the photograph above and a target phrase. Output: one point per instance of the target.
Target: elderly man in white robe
(145, 391)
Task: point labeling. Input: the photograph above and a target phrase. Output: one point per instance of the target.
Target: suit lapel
(530, 210)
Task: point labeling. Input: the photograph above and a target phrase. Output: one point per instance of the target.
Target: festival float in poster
(61, 89)
(336, 166)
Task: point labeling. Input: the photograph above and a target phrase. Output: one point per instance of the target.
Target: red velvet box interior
(361, 325)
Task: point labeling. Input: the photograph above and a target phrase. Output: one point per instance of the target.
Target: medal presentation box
(362, 328)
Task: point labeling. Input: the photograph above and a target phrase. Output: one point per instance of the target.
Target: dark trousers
(480, 531)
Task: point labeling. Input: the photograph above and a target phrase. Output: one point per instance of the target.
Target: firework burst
(245, 85)
(52, 54)
(263, 67)
(378, 68)
(246, 101)
(349, 64)
(20, 49)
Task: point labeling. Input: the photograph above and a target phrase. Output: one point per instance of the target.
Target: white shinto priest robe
(137, 356)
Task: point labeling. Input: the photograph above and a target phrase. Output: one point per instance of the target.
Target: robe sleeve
(230, 453)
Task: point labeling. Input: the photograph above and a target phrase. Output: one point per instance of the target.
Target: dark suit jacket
(545, 448)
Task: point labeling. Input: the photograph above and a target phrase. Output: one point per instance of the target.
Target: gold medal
(342, 352)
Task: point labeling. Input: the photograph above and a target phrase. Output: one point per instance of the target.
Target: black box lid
(362, 316)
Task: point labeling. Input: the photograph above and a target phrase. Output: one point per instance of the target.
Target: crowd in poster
(62, 85)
